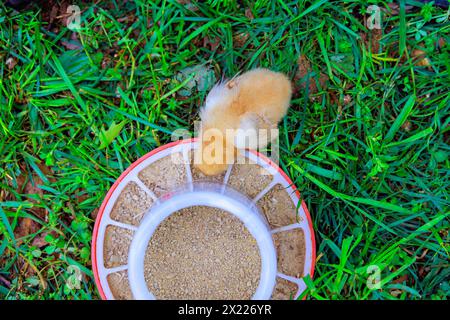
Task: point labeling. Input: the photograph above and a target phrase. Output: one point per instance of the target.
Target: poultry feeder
(258, 195)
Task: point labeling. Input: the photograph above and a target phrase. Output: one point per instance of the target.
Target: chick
(257, 99)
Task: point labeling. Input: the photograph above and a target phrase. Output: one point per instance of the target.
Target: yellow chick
(233, 114)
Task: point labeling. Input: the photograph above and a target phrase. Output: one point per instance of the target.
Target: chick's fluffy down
(258, 99)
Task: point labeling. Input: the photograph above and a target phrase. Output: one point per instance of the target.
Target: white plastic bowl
(211, 195)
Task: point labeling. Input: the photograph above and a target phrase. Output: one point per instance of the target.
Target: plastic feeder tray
(190, 192)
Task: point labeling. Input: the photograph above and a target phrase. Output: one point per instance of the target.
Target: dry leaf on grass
(188, 5)
(94, 213)
(201, 79)
(211, 43)
(11, 63)
(39, 241)
(420, 58)
(72, 45)
(30, 189)
(371, 39)
(375, 37)
(240, 39)
(304, 68)
(53, 14)
(406, 126)
(395, 8)
(249, 14)
(25, 227)
(5, 281)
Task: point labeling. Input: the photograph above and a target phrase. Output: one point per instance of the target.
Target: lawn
(365, 140)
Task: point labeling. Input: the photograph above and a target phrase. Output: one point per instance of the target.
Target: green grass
(368, 149)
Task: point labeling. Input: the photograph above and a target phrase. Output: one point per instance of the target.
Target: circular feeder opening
(208, 198)
(165, 231)
(202, 253)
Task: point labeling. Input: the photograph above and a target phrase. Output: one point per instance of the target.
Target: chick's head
(218, 122)
(215, 151)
